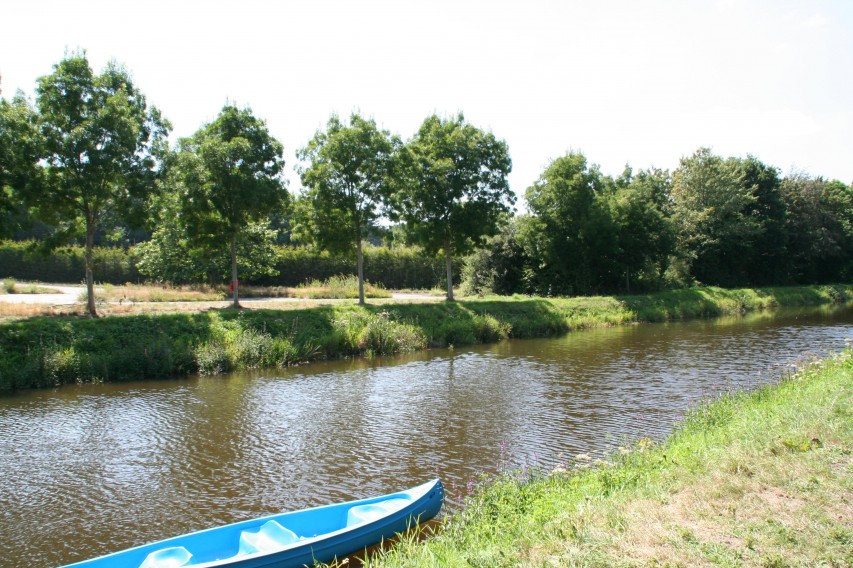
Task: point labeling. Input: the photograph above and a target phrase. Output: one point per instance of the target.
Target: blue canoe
(295, 539)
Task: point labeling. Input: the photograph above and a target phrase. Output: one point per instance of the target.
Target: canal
(85, 470)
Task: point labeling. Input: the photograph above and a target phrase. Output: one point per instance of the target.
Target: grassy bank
(50, 351)
(760, 479)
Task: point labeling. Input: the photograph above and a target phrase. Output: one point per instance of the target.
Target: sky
(633, 82)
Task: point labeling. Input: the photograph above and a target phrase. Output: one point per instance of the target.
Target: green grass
(50, 351)
(755, 479)
(12, 286)
(338, 287)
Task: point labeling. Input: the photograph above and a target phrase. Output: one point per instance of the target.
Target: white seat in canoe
(364, 513)
(171, 557)
(271, 536)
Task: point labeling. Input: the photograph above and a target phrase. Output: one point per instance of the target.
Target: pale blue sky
(639, 82)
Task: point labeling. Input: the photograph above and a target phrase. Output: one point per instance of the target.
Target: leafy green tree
(763, 261)
(500, 266)
(712, 214)
(645, 238)
(229, 173)
(819, 228)
(454, 187)
(172, 256)
(20, 147)
(100, 148)
(347, 186)
(569, 234)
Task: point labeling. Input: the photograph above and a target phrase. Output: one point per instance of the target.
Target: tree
(819, 228)
(712, 214)
(638, 209)
(764, 260)
(569, 233)
(347, 184)
(454, 187)
(500, 266)
(20, 148)
(229, 173)
(100, 148)
(172, 255)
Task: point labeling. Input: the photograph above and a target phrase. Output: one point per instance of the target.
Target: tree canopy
(639, 218)
(20, 150)
(87, 161)
(99, 145)
(711, 212)
(453, 187)
(347, 181)
(567, 217)
(819, 228)
(230, 176)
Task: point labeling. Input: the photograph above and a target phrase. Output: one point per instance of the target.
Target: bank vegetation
(51, 351)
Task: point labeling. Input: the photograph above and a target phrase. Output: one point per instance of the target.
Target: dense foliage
(228, 177)
(97, 143)
(24, 261)
(393, 268)
(715, 221)
(88, 163)
(453, 187)
(347, 177)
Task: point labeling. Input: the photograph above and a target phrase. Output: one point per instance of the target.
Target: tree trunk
(234, 281)
(447, 258)
(89, 259)
(360, 274)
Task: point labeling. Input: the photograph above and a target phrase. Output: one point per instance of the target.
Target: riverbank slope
(50, 351)
(752, 479)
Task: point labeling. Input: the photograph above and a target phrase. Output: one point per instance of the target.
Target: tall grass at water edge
(50, 351)
(751, 479)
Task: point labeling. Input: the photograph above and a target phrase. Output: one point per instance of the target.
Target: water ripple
(118, 465)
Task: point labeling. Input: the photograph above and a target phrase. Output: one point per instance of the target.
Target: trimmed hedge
(112, 265)
(394, 269)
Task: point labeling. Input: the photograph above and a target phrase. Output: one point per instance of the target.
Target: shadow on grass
(673, 304)
(51, 351)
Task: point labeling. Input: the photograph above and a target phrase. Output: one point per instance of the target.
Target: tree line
(731, 222)
(90, 155)
(91, 149)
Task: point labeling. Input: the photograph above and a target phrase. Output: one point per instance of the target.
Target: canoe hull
(287, 540)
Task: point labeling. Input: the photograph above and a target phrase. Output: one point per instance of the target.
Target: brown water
(90, 469)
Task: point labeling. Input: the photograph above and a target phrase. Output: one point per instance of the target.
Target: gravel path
(71, 294)
(67, 295)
